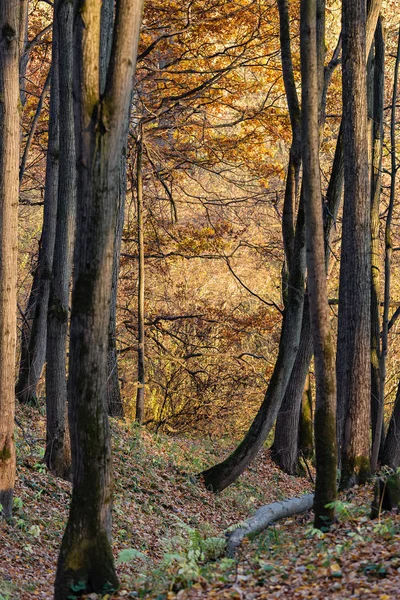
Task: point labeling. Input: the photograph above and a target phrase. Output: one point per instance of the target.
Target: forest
(199, 299)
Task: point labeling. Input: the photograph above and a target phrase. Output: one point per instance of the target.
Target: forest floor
(169, 531)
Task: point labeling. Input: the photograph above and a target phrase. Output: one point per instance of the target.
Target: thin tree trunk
(391, 450)
(377, 403)
(141, 356)
(392, 444)
(33, 353)
(9, 164)
(306, 429)
(100, 125)
(57, 454)
(114, 400)
(293, 172)
(354, 326)
(325, 411)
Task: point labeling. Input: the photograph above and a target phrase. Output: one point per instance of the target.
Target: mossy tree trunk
(354, 326)
(312, 60)
(100, 123)
(9, 166)
(57, 454)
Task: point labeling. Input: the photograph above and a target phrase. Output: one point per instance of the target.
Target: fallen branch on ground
(264, 516)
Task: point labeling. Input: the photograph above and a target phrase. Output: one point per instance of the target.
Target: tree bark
(114, 400)
(266, 515)
(354, 326)
(285, 448)
(293, 172)
(33, 352)
(57, 455)
(9, 165)
(377, 399)
(141, 354)
(325, 410)
(100, 125)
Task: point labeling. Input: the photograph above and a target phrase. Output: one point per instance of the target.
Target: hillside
(168, 529)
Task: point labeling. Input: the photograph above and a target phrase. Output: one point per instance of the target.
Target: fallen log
(263, 517)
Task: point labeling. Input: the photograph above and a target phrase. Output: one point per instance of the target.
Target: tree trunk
(325, 410)
(392, 445)
(354, 326)
(57, 454)
(391, 450)
(114, 400)
(100, 124)
(9, 165)
(141, 365)
(33, 353)
(306, 429)
(377, 403)
(264, 516)
(293, 172)
(285, 447)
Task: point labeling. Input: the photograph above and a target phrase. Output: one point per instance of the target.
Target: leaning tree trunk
(57, 454)
(33, 352)
(285, 448)
(100, 124)
(9, 164)
(221, 475)
(325, 410)
(377, 400)
(354, 325)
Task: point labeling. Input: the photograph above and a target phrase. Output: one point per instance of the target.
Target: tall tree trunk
(33, 352)
(391, 454)
(293, 172)
(9, 164)
(354, 326)
(141, 364)
(57, 454)
(100, 124)
(325, 411)
(114, 400)
(377, 400)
